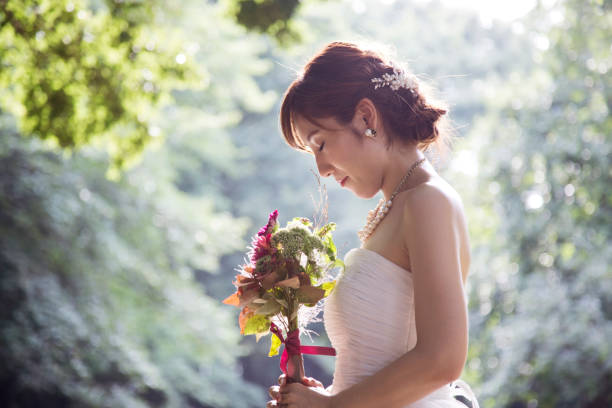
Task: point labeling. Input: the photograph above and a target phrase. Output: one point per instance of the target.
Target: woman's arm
(432, 222)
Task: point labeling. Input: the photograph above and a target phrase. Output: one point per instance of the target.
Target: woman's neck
(400, 161)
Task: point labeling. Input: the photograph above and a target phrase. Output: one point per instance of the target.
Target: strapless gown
(369, 318)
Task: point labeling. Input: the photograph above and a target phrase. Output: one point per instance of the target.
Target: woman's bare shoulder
(432, 198)
(433, 212)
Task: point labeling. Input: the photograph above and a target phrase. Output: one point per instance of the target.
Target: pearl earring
(370, 132)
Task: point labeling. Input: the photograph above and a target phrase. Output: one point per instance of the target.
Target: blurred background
(140, 150)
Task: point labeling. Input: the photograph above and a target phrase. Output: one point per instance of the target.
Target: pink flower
(269, 228)
(262, 246)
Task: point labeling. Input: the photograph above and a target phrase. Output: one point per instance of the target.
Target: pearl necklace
(376, 216)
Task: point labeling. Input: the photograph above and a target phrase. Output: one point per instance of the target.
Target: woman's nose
(325, 169)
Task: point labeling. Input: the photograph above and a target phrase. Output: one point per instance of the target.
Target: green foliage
(295, 241)
(270, 308)
(93, 316)
(273, 17)
(257, 324)
(544, 292)
(76, 75)
(102, 305)
(328, 287)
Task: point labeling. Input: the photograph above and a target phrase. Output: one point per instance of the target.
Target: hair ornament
(399, 79)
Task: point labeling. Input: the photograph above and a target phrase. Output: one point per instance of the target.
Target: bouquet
(278, 289)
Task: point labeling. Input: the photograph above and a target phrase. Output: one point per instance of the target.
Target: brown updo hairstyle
(339, 76)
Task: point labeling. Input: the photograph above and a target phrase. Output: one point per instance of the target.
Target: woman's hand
(309, 394)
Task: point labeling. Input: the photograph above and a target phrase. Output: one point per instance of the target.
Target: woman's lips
(343, 182)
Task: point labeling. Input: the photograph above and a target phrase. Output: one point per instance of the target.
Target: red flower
(262, 246)
(271, 224)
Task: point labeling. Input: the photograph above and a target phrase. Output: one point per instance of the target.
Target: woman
(367, 122)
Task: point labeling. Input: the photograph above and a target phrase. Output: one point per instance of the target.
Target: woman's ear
(366, 115)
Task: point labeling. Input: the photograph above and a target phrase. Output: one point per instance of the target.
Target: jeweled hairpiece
(399, 79)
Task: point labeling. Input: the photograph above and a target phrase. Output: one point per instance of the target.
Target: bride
(367, 121)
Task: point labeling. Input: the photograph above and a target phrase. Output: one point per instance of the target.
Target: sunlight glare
(493, 10)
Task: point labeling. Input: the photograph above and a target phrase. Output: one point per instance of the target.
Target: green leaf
(310, 268)
(257, 324)
(328, 287)
(309, 294)
(326, 229)
(271, 307)
(331, 247)
(275, 344)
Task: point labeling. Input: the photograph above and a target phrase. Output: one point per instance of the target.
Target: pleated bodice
(369, 318)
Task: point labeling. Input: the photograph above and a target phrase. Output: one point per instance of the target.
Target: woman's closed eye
(321, 147)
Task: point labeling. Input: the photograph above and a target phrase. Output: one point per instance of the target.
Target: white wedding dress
(369, 318)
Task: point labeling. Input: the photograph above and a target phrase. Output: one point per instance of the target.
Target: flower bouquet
(279, 288)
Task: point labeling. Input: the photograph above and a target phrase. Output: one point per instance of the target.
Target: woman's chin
(364, 194)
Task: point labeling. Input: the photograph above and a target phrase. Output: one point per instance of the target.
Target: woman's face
(355, 161)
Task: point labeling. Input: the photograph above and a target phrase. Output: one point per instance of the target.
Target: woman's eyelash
(321, 147)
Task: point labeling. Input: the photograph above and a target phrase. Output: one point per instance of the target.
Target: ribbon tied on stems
(293, 347)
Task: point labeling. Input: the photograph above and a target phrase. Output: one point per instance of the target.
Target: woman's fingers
(308, 381)
(272, 404)
(311, 382)
(282, 379)
(287, 393)
(274, 392)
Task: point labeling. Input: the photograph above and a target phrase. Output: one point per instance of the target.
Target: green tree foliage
(273, 17)
(76, 73)
(544, 290)
(100, 307)
(100, 279)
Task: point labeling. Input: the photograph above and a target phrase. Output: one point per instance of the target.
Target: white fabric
(369, 318)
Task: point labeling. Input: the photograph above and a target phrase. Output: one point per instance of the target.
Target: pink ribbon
(293, 346)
